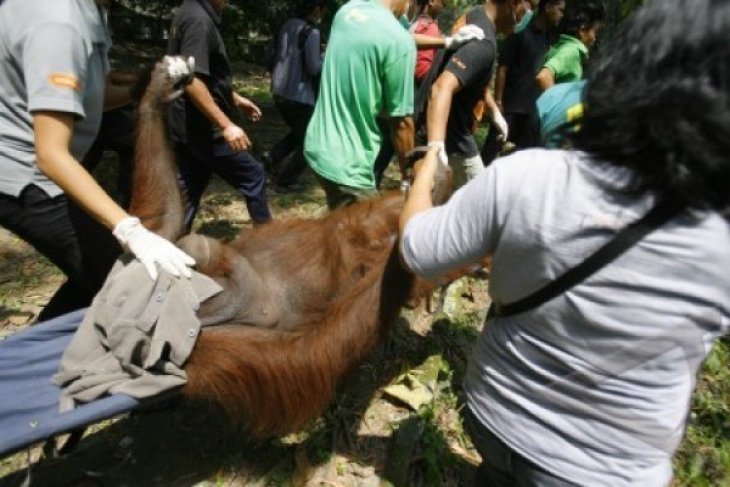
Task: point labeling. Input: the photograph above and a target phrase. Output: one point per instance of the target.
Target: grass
(704, 457)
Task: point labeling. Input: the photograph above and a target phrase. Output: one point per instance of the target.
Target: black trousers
(81, 247)
(296, 116)
(521, 132)
(503, 467)
(196, 164)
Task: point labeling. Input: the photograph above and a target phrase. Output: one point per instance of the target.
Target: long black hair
(658, 101)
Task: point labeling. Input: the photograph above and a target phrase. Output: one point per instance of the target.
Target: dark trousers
(196, 164)
(386, 153)
(521, 133)
(81, 247)
(296, 116)
(503, 467)
(116, 134)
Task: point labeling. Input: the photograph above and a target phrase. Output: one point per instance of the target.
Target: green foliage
(704, 457)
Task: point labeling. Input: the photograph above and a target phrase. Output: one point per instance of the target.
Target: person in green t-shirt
(368, 70)
(565, 61)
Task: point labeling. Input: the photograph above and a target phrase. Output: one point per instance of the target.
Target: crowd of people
(574, 380)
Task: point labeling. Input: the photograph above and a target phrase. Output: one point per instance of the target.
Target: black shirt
(472, 64)
(523, 54)
(196, 32)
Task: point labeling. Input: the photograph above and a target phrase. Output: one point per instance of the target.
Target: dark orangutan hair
(304, 302)
(581, 14)
(658, 101)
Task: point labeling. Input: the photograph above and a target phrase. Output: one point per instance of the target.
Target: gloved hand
(181, 72)
(441, 153)
(465, 34)
(501, 125)
(152, 249)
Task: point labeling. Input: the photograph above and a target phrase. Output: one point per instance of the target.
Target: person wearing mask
(515, 90)
(609, 263)
(53, 91)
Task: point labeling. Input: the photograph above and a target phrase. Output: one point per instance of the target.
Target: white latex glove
(501, 125)
(180, 71)
(465, 34)
(152, 249)
(441, 146)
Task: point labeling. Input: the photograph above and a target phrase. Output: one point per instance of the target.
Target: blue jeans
(197, 163)
(503, 467)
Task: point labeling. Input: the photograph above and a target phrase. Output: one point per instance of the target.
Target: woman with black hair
(610, 263)
(566, 60)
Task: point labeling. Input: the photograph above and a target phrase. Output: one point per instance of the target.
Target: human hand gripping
(440, 150)
(467, 33)
(501, 124)
(151, 249)
(425, 170)
(180, 71)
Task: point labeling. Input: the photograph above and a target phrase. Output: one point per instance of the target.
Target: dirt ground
(369, 436)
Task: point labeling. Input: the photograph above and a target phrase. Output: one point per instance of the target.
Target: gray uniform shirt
(593, 386)
(53, 56)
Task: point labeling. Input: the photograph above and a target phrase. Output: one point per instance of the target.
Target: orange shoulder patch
(63, 80)
(458, 62)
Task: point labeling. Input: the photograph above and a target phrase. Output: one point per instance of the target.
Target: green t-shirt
(566, 59)
(368, 69)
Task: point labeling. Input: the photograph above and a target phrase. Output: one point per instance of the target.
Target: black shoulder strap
(623, 241)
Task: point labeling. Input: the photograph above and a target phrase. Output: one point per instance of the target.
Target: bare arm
(53, 132)
(419, 197)
(499, 83)
(403, 131)
(203, 100)
(545, 79)
(439, 105)
(424, 41)
(252, 111)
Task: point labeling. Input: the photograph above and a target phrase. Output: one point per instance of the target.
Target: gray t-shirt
(53, 55)
(593, 386)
